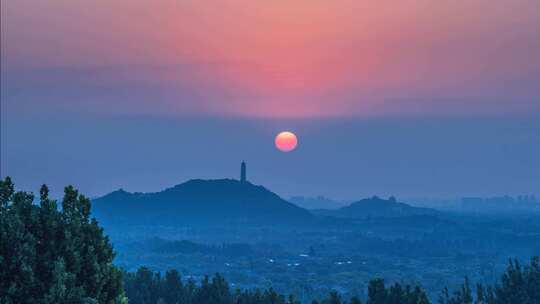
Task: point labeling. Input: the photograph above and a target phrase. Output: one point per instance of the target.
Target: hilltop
(376, 207)
(196, 201)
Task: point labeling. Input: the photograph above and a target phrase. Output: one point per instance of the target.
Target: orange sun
(286, 141)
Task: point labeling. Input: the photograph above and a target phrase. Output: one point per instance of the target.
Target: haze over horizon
(414, 98)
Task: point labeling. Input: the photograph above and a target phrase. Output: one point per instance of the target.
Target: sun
(286, 141)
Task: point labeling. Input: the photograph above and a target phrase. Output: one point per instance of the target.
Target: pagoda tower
(243, 172)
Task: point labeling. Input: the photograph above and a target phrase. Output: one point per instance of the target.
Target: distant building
(243, 172)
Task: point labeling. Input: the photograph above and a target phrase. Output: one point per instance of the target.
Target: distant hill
(376, 207)
(199, 202)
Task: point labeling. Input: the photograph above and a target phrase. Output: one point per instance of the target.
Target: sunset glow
(278, 58)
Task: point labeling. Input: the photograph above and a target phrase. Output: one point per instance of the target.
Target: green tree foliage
(333, 298)
(355, 300)
(147, 287)
(518, 285)
(378, 293)
(51, 256)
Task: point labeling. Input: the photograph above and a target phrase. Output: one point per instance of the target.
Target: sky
(407, 98)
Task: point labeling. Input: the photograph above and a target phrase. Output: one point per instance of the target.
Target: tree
(48, 256)
(377, 293)
(334, 298)
(518, 285)
(396, 294)
(172, 287)
(355, 300)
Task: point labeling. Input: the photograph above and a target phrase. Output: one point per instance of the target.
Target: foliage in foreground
(51, 256)
(146, 286)
(518, 285)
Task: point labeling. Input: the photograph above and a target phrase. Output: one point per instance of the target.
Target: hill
(198, 201)
(376, 207)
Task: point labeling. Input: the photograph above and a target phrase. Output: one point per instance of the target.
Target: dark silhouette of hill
(199, 202)
(376, 207)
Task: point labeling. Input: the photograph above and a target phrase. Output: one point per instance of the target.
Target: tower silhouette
(243, 172)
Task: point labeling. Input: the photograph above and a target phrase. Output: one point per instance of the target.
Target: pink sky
(283, 58)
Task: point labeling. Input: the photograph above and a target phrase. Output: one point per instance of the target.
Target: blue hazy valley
(256, 239)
